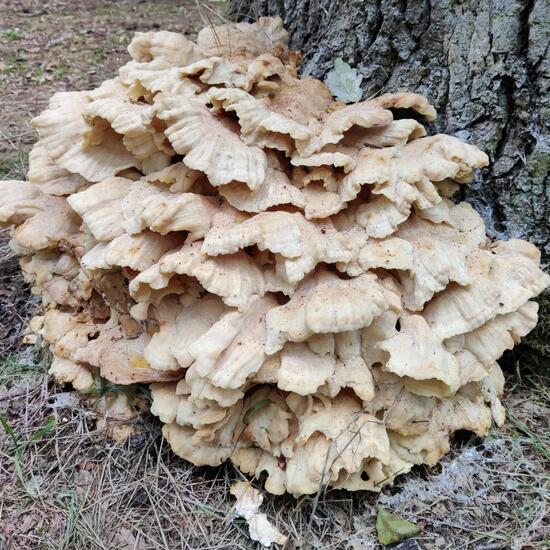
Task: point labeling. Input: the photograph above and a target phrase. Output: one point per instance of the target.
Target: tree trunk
(483, 65)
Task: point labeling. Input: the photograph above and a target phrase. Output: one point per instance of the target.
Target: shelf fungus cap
(289, 274)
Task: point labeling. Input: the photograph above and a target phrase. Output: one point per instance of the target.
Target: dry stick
(168, 495)
(268, 42)
(153, 541)
(164, 501)
(257, 17)
(464, 528)
(84, 519)
(182, 502)
(68, 274)
(7, 138)
(208, 23)
(195, 502)
(20, 134)
(157, 519)
(217, 14)
(226, 21)
(13, 396)
(321, 488)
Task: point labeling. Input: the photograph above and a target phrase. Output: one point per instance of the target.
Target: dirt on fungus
(63, 484)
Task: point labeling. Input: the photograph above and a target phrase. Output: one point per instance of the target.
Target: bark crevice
(484, 66)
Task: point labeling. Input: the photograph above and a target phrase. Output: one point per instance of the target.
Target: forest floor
(64, 485)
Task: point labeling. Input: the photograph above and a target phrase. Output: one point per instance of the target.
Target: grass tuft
(13, 165)
(11, 34)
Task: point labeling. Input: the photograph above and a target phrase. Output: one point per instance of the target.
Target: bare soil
(64, 485)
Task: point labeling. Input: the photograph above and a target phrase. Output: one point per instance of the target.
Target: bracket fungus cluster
(287, 272)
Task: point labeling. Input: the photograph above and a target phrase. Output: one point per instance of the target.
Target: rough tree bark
(483, 64)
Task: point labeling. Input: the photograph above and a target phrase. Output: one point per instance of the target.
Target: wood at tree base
(483, 65)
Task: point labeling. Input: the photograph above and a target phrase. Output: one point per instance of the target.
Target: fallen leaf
(391, 528)
(65, 400)
(247, 506)
(344, 82)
